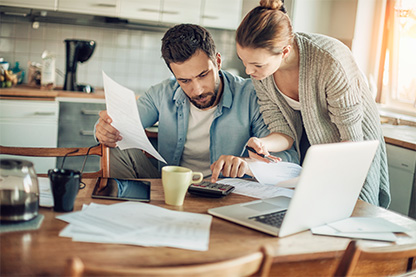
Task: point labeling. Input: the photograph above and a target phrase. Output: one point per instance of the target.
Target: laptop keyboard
(273, 219)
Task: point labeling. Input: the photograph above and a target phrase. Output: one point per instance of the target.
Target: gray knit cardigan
(336, 105)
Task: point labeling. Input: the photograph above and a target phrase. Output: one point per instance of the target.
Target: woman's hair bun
(271, 4)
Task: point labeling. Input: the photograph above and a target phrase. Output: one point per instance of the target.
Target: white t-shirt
(196, 154)
(292, 103)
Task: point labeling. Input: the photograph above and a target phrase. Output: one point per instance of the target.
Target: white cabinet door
(98, 7)
(221, 14)
(181, 11)
(30, 124)
(38, 4)
(141, 10)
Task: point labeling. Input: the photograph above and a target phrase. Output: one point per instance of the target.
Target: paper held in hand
(122, 108)
(281, 174)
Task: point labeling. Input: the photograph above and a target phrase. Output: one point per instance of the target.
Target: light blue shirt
(236, 119)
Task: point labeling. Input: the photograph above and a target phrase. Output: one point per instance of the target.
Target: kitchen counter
(32, 93)
(400, 135)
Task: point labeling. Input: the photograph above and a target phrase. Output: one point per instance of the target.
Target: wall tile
(130, 57)
(7, 30)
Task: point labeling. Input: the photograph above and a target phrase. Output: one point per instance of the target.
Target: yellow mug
(176, 180)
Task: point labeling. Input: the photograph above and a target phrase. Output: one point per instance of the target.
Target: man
(206, 115)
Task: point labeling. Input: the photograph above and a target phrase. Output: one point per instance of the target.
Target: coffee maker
(77, 51)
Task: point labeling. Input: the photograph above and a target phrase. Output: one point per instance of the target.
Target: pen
(261, 155)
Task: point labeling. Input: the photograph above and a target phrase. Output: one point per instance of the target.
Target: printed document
(136, 223)
(255, 189)
(282, 174)
(122, 108)
(371, 228)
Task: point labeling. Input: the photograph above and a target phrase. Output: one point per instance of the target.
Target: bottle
(48, 70)
(19, 72)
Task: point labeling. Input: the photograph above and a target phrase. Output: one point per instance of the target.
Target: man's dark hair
(182, 41)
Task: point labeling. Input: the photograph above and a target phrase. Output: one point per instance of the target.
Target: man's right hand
(104, 132)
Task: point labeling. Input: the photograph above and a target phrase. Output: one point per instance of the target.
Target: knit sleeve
(344, 89)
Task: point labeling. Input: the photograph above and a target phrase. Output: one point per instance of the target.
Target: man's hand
(229, 166)
(104, 132)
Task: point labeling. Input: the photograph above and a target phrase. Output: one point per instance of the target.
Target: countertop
(400, 135)
(33, 93)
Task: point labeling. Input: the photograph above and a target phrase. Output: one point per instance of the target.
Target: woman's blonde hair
(266, 26)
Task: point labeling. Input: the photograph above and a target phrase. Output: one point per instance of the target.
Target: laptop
(327, 190)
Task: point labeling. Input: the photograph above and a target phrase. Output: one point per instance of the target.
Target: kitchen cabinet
(96, 7)
(77, 118)
(181, 11)
(159, 11)
(221, 14)
(141, 9)
(39, 4)
(402, 164)
(27, 123)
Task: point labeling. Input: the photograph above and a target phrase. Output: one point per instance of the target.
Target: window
(397, 76)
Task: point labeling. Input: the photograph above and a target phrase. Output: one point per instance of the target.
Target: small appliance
(77, 51)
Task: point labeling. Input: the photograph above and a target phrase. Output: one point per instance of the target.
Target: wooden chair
(377, 261)
(254, 264)
(99, 150)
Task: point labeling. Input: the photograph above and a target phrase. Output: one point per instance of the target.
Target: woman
(311, 91)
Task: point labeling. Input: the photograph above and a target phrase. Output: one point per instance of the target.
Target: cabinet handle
(86, 133)
(104, 5)
(44, 113)
(149, 10)
(90, 112)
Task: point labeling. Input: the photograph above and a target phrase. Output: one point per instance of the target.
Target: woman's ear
(286, 50)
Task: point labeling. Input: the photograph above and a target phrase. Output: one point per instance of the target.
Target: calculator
(208, 189)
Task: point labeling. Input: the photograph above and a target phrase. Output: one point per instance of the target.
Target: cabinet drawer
(401, 158)
(44, 111)
(83, 114)
(72, 135)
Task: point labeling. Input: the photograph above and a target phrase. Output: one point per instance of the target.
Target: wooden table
(43, 252)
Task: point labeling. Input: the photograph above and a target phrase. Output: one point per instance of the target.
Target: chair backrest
(377, 261)
(99, 150)
(253, 264)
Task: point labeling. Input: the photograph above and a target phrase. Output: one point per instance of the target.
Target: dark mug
(65, 186)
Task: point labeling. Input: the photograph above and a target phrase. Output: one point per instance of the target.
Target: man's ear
(218, 57)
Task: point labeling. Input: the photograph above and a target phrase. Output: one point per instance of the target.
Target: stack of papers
(45, 192)
(138, 223)
(370, 228)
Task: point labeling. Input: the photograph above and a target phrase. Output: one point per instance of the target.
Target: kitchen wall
(131, 57)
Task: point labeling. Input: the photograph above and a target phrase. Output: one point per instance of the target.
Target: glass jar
(19, 190)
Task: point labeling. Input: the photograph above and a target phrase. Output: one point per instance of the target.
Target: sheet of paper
(121, 218)
(275, 173)
(366, 225)
(122, 108)
(255, 189)
(45, 192)
(166, 228)
(327, 230)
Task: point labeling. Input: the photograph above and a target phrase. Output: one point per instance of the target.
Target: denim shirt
(236, 119)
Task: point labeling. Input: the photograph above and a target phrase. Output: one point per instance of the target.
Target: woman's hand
(262, 153)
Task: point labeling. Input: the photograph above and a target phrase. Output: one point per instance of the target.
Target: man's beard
(214, 96)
